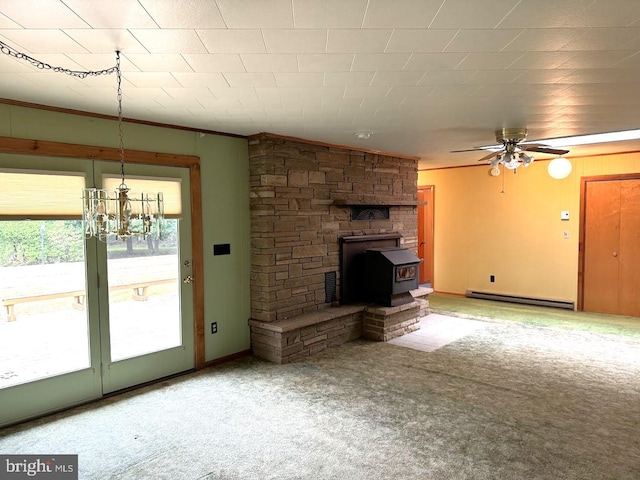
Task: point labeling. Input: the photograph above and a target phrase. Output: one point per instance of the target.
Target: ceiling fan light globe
(559, 168)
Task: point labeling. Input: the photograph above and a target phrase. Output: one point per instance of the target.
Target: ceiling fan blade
(542, 149)
(467, 150)
(487, 157)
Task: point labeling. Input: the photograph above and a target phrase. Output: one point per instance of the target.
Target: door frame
(584, 181)
(430, 210)
(192, 162)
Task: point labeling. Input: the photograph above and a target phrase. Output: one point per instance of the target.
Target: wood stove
(390, 274)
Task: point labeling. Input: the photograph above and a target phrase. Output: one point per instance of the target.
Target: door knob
(188, 279)
(421, 243)
(615, 254)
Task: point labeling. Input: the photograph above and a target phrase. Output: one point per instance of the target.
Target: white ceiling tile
(434, 61)
(401, 13)
(279, 93)
(196, 93)
(596, 59)
(482, 77)
(48, 78)
(482, 40)
(545, 14)
(445, 77)
(358, 41)
(400, 91)
(54, 60)
(42, 41)
(419, 40)
(329, 13)
(610, 13)
(499, 90)
(273, 62)
(295, 41)
(543, 76)
(184, 103)
(6, 22)
(461, 14)
(102, 61)
(603, 76)
(220, 103)
(201, 80)
(214, 62)
(112, 14)
(256, 14)
(152, 79)
(396, 78)
(169, 40)
(557, 91)
(544, 39)
(371, 62)
(105, 40)
(240, 93)
(488, 60)
(541, 60)
(363, 79)
(366, 92)
(321, 93)
(450, 91)
(13, 65)
(41, 14)
(250, 79)
(632, 62)
(299, 79)
(184, 14)
(325, 62)
(232, 41)
(159, 63)
(603, 39)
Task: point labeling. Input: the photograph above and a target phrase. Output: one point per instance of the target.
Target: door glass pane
(43, 321)
(144, 300)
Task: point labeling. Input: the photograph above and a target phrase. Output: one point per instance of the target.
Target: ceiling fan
(512, 152)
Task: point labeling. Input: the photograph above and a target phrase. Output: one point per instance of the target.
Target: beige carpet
(509, 401)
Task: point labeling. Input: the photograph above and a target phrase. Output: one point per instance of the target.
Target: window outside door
(83, 318)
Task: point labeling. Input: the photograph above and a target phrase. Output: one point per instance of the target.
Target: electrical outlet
(565, 234)
(492, 278)
(214, 327)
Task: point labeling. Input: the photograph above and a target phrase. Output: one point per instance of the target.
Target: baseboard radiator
(543, 302)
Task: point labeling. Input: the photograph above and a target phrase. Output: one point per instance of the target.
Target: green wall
(225, 203)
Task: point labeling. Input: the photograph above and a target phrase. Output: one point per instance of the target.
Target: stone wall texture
(301, 194)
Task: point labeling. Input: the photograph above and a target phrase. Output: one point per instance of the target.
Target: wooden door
(611, 258)
(629, 256)
(425, 233)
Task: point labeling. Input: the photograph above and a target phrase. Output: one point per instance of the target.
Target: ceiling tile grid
(448, 71)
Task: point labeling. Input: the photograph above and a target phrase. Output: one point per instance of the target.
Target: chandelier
(116, 213)
(107, 214)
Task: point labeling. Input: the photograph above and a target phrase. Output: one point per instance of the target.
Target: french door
(82, 318)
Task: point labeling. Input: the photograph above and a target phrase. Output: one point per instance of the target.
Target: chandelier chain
(120, 122)
(7, 50)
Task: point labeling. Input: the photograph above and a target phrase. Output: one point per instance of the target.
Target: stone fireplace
(302, 200)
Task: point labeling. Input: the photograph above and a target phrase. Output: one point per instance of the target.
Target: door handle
(187, 263)
(422, 243)
(615, 254)
(188, 279)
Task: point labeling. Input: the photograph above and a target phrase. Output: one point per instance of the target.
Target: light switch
(564, 215)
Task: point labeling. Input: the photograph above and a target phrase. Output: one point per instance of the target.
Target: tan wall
(516, 235)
